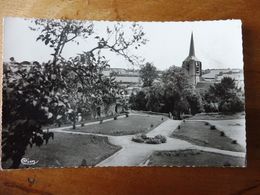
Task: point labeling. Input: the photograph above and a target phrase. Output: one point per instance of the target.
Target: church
(192, 65)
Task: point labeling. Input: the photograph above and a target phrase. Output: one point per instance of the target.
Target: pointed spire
(192, 50)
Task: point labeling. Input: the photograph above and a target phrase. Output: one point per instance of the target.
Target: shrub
(115, 117)
(179, 127)
(227, 164)
(234, 142)
(161, 138)
(151, 125)
(82, 124)
(206, 123)
(162, 118)
(153, 140)
(184, 120)
(126, 115)
(222, 134)
(212, 127)
(139, 138)
(101, 121)
(142, 138)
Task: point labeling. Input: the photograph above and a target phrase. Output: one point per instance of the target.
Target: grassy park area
(125, 126)
(204, 134)
(193, 158)
(68, 150)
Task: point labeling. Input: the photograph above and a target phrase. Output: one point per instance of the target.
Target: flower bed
(142, 138)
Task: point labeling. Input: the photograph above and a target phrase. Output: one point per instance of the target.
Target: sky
(218, 44)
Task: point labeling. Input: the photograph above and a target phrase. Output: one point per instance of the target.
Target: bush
(162, 118)
(115, 118)
(161, 138)
(222, 134)
(139, 138)
(126, 115)
(234, 142)
(142, 138)
(233, 105)
(179, 127)
(212, 127)
(153, 140)
(82, 124)
(227, 164)
(206, 123)
(151, 125)
(101, 121)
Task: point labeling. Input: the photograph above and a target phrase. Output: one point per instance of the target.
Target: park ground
(191, 142)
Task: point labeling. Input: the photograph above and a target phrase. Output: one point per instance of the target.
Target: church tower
(192, 64)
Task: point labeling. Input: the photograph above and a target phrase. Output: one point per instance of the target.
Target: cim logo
(27, 161)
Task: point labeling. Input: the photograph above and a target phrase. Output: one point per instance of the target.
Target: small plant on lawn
(222, 134)
(212, 127)
(234, 142)
(101, 121)
(162, 118)
(206, 123)
(82, 124)
(226, 164)
(126, 115)
(184, 120)
(83, 162)
(179, 127)
(115, 117)
(151, 125)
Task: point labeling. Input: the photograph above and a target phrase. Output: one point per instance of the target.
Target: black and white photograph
(81, 93)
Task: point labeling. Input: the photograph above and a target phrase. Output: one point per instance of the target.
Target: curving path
(133, 154)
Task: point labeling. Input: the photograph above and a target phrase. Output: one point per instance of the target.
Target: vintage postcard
(100, 93)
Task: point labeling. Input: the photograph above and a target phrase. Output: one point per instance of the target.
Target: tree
(148, 74)
(227, 95)
(176, 91)
(138, 101)
(46, 93)
(57, 33)
(29, 102)
(86, 68)
(154, 97)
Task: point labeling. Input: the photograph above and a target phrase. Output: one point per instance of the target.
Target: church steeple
(192, 50)
(192, 65)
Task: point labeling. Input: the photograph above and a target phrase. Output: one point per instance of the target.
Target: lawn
(125, 126)
(197, 132)
(68, 150)
(193, 158)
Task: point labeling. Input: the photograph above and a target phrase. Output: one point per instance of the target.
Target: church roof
(192, 50)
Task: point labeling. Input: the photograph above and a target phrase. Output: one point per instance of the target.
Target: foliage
(195, 103)
(173, 94)
(226, 95)
(29, 102)
(142, 138)
(154, 97)
(57, 33)
(148, 74)
(176, 91)
(38, 95)
(138, 101)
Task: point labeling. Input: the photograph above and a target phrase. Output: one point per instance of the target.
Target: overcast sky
(218, 44)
